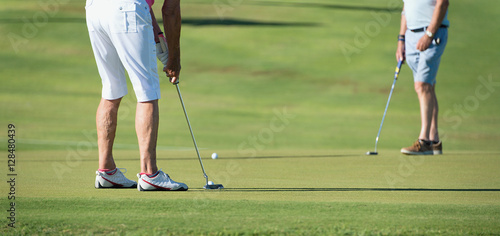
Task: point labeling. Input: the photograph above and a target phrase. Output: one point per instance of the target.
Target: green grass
(341, 192)
(235, 79)
(210, 216)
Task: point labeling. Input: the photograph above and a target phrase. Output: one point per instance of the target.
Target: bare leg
(106, 121)
(434, 133)
(428, 110)
(146, 127)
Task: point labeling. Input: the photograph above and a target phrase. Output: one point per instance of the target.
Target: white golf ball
(210, 183)
(215, 156)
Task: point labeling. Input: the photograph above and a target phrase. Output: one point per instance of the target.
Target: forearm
(438, 15)
(156, 27)
(400, 52)
(171, 12)
(403, 27)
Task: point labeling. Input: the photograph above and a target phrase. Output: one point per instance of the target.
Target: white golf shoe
(113, 179)
(159, 182)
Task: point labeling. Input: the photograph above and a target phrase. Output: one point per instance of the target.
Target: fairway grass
(267, 87)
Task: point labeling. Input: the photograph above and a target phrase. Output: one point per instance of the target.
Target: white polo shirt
(419, 13)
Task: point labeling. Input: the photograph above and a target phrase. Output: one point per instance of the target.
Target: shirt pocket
(124, 19)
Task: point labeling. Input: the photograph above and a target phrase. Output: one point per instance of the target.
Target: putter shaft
(191, 131)
(396, 74)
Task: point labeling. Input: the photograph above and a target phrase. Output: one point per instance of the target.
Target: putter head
(371, 153)
(213, 186)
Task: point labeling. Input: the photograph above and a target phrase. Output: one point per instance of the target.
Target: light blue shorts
(425, 64)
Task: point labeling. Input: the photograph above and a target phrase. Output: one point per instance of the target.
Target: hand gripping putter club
(207, 186)
(398, 68)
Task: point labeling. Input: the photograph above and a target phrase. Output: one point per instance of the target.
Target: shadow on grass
(297, 156)
(357, 190)
(191, 158)
(200, 22)
(240, 22)
(63, 158)
(78, 20)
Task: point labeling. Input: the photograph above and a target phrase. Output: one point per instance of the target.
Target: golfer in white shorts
(421, 42)
(124, 36)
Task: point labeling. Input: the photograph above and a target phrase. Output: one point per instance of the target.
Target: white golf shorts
(121, 35)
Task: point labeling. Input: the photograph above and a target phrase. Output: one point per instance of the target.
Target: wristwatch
(429, 33)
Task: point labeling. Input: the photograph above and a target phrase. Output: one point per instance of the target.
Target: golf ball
(210, 183)
(215, 156)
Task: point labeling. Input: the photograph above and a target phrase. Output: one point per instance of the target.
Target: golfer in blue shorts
(421, 42)
(125, 36)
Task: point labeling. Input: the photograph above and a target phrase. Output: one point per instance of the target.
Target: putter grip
(398, 68)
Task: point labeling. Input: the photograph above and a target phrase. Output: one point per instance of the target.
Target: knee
(423, 88)
(107, 105)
